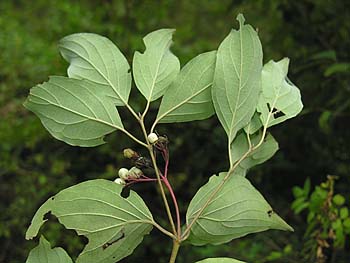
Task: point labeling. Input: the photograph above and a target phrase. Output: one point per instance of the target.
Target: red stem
(167, 184)
(140, 180)
(165, 155)
(166, 158)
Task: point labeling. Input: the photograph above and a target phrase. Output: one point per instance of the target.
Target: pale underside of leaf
(74, 111)
(43, 253)
(114, 225)
(220, 260)
(254, 125)
(279, 94)
(237, 209)
(157, 67)
(240, 146)
(189, 97)
(237, 78)
(97, 59)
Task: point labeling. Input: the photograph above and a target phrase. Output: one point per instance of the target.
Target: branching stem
(159, 180)
(133, 137)
(233, 167)
(164, 231)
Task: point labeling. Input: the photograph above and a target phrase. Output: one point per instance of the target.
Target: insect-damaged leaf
(279, 95)
(43, 253)
(97, 59)
(157, 67)
(236, 210)
(114, 225)
(240, 146)
(220, 260)
(189, 97)
(74, 111)
(237, 78)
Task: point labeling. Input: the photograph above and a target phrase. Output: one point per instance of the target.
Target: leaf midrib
(103, 75)
(77, 113)
(157, 70)
(240, 81)
(182, 103)
(190, 97)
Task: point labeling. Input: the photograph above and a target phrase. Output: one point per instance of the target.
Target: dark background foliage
(33, 165)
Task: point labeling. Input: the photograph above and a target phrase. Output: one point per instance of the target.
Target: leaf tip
(284, 64)
(240, 19)
(281, 224)
(288, 228)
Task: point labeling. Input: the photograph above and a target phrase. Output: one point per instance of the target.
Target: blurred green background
(315, 35)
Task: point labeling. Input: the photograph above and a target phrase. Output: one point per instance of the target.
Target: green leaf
(279, 95)
(347, 223)
(189, 97)
(307, 186)
(324, 121)
(74, 111)
(237, 78)
(157, 67)
(114, 225)
(220, 260)
(298, 192)
(274, 255)
(337, 68)
(43, 253)
(336, 224)
(299, 202)
(344, 212)
(240, 146)
(326, 54)
(299, 205)
(310, 216)
(254, 125)
(338, 199)
(236, 210)
(339, 237)
(97, 59)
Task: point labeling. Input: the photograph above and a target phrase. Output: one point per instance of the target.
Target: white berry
(152, 138)
(123, 173)
(134, 173)
(119, 181)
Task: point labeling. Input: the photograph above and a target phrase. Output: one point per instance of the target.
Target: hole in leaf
(129, 70)
(58, 235)
(269, 213)
(125, 192)
(119, 236)
(47, 216)
(277, 113)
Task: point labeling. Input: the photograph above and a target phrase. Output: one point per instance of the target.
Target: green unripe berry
(130, 154)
